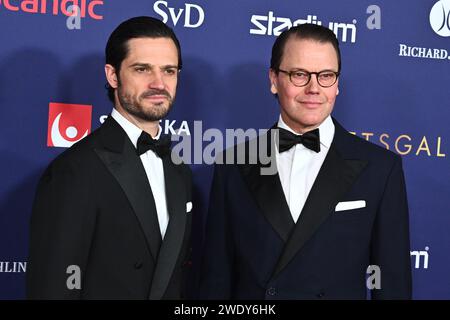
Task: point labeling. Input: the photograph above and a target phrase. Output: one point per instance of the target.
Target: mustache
(155, 92)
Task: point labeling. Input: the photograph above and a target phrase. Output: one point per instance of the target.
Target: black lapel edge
(126, 167)
(173, 240)
(335, 178)
(266, 188)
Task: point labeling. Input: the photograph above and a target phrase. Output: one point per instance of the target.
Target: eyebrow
(301, 69)
(148, 65)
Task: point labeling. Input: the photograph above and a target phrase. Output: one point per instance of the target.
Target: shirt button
(320, 295)
(271, 291)
(138, 265)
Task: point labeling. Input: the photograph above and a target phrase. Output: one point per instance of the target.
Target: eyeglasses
(301, 78)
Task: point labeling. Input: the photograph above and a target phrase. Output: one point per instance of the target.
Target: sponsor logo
(68, 123)
(12, 267)
(192, 15)
(440, 18)
(421, 52)
(167, 126)
(440, 23)
(405, 144)
(418, 262)
(55, 7)
(272, 25)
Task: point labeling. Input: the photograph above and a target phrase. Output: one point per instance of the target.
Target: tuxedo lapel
(119, 156)
(335, 178)
(268, 193)
(170, 250)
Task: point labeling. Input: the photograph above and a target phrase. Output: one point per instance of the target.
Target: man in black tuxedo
(335, 205)
(111, 218)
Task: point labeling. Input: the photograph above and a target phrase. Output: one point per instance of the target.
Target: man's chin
(160, 105)
(156, 116)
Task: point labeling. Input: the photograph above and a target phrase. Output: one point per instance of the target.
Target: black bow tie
(161, 146)
(309, 139)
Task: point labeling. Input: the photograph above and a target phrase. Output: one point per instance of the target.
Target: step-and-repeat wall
(394, 92)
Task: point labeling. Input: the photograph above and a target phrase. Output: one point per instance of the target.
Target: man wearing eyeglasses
(332, 222)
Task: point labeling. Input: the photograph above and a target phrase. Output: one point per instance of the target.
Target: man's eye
(170, 71)
(140, 69)
(326, 75)
(300, 74)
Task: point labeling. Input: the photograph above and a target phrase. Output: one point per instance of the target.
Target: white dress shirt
(299, 166)
(153, 168)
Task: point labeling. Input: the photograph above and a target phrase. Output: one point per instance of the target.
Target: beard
(133, 104)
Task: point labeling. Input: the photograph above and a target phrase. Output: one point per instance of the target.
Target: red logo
(68, 123)
(85, 7)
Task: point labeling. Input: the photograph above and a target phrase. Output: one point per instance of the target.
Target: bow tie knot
(161, 146)
(287, 140)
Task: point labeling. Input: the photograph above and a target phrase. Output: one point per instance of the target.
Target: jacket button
(271, 291)
(320, 295)
(138, 265)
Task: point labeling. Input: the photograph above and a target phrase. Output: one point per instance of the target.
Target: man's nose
(313, 85)
(157, 80)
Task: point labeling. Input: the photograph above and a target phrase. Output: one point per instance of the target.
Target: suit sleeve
(390, 239)
(61, 227)
(216, 277)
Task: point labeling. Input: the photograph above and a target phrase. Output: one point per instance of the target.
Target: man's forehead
(310, 42)
(153, 49)
(151, 44)
(299, 48)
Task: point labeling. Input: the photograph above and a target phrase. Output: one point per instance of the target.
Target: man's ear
(111, 76)
(273, 81)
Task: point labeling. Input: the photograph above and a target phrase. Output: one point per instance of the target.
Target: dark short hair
(139, 27)
(306, 31)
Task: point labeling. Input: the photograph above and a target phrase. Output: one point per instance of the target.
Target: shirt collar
(133, 132)
(326, 129)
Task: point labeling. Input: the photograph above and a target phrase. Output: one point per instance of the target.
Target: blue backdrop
(393, 92)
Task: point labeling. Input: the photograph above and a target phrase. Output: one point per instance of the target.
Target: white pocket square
(350, 205)
(188, 206)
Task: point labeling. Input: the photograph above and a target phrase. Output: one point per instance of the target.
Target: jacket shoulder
(76, 156)
(353, 145)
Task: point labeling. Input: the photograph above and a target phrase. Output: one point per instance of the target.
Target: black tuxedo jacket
(94, 210)
(254, 250)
